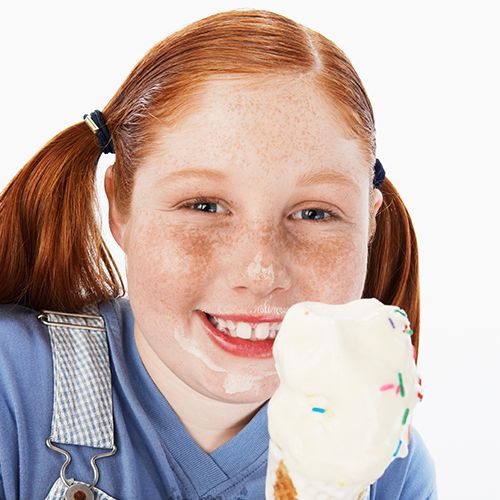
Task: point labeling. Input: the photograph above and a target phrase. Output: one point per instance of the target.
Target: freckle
(318, 259)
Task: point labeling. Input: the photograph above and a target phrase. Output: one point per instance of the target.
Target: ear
(376, 199)
(116, 222)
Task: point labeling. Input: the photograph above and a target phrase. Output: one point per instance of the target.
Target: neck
(210, 422)
(214, 422)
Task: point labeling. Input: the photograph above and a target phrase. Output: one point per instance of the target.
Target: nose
(258, 263)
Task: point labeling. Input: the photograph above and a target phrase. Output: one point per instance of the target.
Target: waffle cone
(281, 484)
(283, 487)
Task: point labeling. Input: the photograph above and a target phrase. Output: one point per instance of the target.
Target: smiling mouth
(243, 330)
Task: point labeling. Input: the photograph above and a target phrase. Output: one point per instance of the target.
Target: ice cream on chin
(348, 388)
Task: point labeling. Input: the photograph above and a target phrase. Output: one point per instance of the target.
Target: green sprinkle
(409, 332)
(401, 312)
(401, 385)
(405, 418)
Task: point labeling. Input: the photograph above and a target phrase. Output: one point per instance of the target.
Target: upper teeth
(262, 331)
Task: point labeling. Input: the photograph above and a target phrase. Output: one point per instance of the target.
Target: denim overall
(83, 406)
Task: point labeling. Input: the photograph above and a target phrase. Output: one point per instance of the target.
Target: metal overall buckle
(77, 490)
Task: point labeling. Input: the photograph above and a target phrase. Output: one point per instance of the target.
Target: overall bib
(83, 405)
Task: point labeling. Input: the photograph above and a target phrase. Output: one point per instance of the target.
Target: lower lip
(236, 346)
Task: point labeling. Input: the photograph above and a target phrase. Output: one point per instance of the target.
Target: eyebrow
(181, 176)
(332, 178)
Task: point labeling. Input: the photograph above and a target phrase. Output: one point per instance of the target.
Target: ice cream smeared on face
(256, 271)
(348, 388)
(234, 383)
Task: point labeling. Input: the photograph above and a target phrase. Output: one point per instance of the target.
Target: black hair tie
(379, 177)
(97, 124)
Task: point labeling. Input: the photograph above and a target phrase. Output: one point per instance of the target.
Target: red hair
(51, 250)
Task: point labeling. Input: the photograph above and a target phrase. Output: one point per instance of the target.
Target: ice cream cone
(348, 388)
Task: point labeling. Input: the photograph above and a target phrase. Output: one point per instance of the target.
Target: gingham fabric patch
(58, 492)
(83, 409)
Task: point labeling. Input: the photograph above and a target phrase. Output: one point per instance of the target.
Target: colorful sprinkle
(341, 483)
(401, 385)
(399, 446)
(387, 387)
(401, 312)
(392, 323)
(420, 396)
(405, 418)
(408, 330)
(319, 410)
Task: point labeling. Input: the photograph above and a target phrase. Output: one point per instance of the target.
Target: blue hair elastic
(97, 124)
(379, 176)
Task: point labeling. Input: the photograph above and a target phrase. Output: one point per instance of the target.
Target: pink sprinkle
(387, 387)
(398, 389)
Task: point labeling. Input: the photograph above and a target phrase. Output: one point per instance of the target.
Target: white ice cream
(348, 389)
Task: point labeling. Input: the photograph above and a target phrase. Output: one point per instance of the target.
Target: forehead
(274, 121)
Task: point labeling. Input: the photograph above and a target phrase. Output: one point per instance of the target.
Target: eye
(312, 214)
(203, 205)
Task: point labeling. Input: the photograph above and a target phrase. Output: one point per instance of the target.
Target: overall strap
(83, 406)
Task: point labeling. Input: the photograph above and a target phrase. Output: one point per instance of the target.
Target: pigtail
(392, 275)
(52, 255)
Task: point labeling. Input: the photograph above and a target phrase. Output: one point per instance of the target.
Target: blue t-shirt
(156, 458)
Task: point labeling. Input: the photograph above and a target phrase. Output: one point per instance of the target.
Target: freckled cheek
(170, 263)
(330, 270)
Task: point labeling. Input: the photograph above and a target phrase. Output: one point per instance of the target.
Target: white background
(431, 69)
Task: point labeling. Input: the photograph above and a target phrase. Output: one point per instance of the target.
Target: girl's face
(254, 201)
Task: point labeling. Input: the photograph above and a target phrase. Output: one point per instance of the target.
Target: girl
(245, 180)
